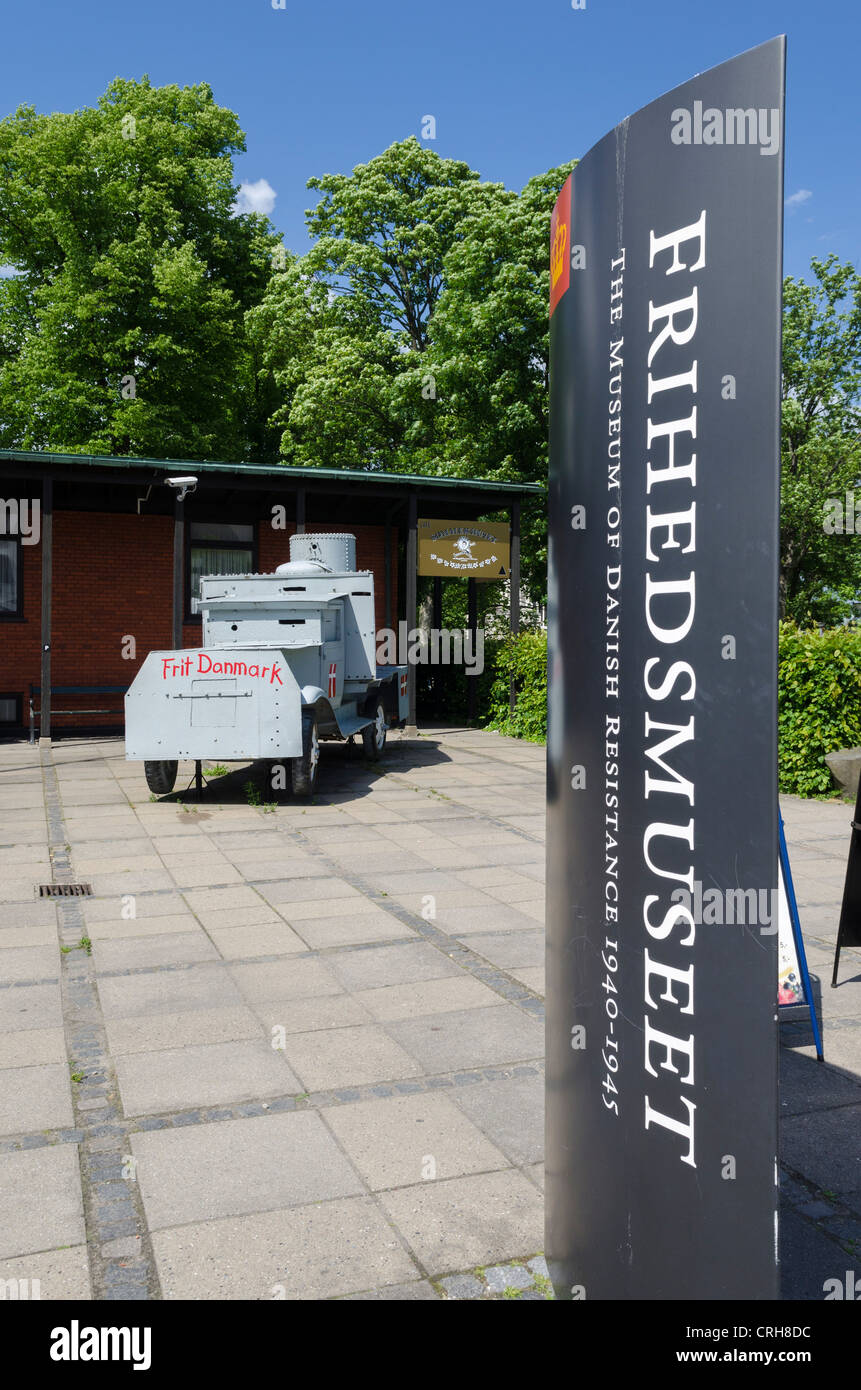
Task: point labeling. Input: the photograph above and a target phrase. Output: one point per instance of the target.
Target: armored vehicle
(288, 660)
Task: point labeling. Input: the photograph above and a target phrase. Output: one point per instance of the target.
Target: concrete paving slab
(321, 933)
(418, 1291)
(307, 1015)
(381, 827)
(304, 890)
(808, 1258)
(188, 835)
(378, 966)
(30, 1006)
(122, 849)
(535, 1171)
(43, 934)
(327, 907)
(536, 909)
(347, 1057)
(32, 1047)
(465, 1222)
(155, 1032)
(150, 952)
(57, 1274)
(287, 979)
(29, 963)
(425, 881)
(826, 1148)
(470, 1038)
(140, 907)
(167, 991)
(138, 881)
(266, 1255)
(448, 898)
(13, 854)
(404, 1140)
(475, 921)
(509, 949)
(243, 943)
(842, 1048)
(35, 1098)
(203, 900)
(341, 834)
(270, 868)
(120, 929)
(181, 1078)
(510, 1112)
(235, 841)
(193, 875)
(36, 913)
(19, 890)
(532, 977)
(204, 1172)
(452, 993)
(40, 1200)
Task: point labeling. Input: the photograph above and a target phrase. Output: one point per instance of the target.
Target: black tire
(304, 770)
(161, 777)
(374, 735)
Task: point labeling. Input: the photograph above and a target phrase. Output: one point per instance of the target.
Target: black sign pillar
(662, 746)
(849, 929)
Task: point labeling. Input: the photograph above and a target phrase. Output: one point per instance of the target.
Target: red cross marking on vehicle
(333, 679)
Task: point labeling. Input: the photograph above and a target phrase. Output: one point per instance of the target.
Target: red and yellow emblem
(560, 245)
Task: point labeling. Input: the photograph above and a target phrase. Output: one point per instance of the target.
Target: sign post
(465, 549)
(662, 746)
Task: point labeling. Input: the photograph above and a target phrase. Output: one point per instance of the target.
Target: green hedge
(819, 706)
(524, 658)
(819, 703)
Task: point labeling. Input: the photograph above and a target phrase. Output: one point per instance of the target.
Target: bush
(819, 703)
(819, 698)
(524, 658)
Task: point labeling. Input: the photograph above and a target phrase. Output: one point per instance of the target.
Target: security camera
(184, 485)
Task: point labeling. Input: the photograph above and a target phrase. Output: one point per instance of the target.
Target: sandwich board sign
(665, 296)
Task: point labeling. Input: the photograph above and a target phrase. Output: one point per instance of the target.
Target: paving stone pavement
(295, 1050)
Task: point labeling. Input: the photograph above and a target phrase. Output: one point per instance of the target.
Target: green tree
(121, 330)
(413, 336)
(345, 329)
(490, 352)
(821, 440)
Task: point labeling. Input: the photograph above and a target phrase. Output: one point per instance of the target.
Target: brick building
(99, 560)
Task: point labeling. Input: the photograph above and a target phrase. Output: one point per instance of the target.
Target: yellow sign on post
(471, 549)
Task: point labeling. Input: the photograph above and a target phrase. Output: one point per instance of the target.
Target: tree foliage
(413, 336)
(121, 330)
(142, 316)
(821, 440)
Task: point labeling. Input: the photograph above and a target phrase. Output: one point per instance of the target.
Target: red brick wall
(113, 577)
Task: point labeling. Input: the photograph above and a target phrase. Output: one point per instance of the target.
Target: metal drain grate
(65, 890)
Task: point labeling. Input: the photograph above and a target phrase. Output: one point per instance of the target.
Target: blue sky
(515, 88)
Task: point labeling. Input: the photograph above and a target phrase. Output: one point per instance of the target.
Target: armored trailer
(288, 660)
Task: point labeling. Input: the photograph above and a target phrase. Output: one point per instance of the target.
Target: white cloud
(256, 197)
(796, 199)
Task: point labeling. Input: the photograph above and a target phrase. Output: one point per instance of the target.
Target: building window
(217, 548)
(10, 578)
(10, 711)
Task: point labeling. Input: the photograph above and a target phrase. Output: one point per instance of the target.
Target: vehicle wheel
(374, 736)
(304, 769)
(160, 777)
